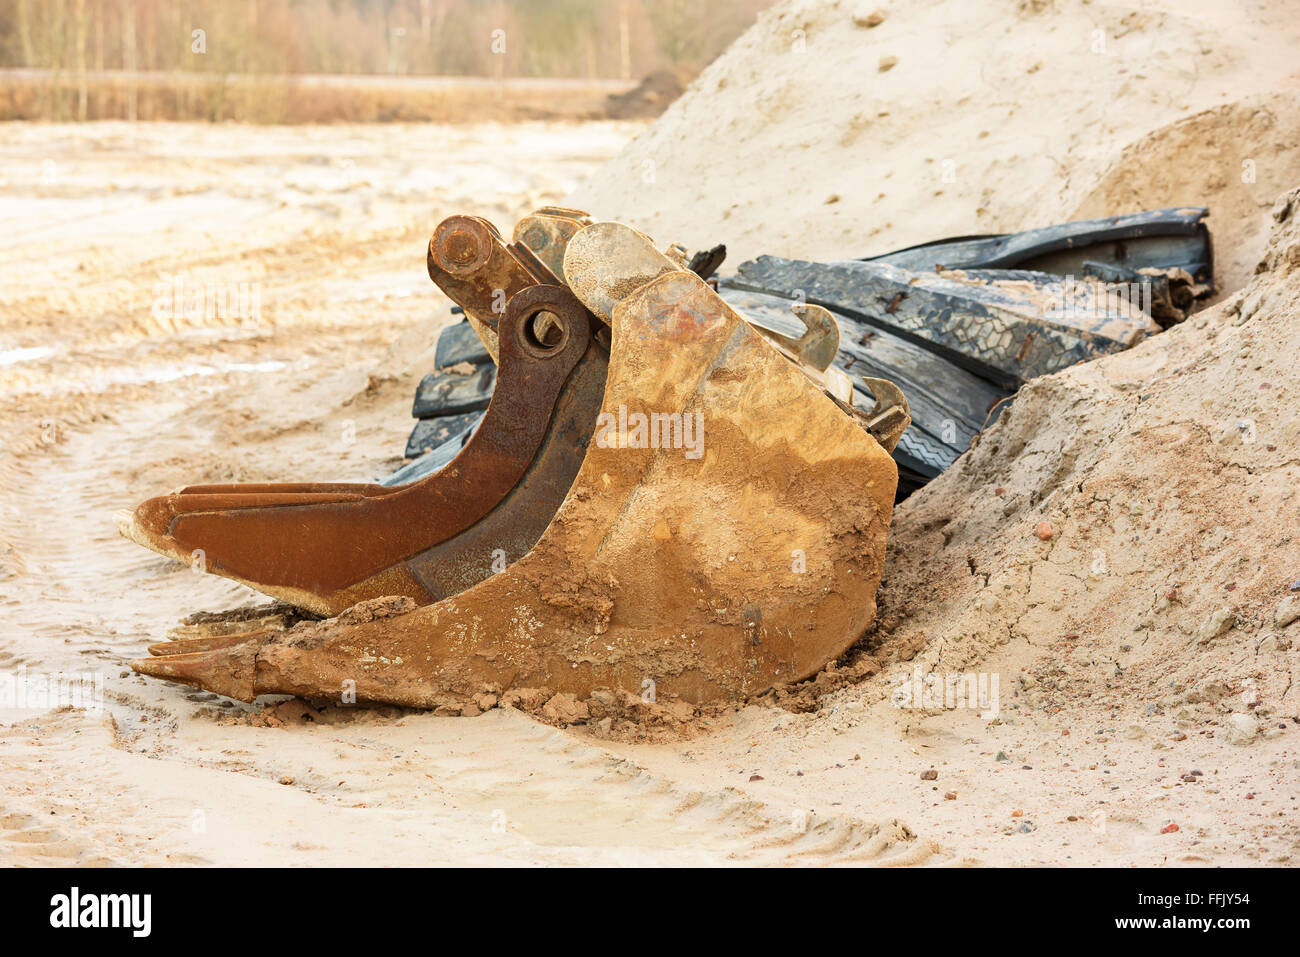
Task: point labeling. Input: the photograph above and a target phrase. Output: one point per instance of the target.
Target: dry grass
(44, 95)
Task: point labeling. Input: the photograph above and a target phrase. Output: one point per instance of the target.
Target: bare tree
(82, 27)
(129, 63)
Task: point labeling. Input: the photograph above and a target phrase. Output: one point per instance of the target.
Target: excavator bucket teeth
(178, 646)
(228, 671)
(324, 547)
(724, 534)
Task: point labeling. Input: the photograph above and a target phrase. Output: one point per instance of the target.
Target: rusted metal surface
(705, 262)
(817, 342)
(547, 233)
(891, 414)
(661, 568)
(469, 262)
(324, 547)
(605, 260)
(513, 527)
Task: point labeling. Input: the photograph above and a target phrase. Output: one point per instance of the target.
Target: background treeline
(542, 38)
(253, 60)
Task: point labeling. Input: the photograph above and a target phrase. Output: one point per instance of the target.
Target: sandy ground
(127, 404)
(1147, 710)
(107, 396)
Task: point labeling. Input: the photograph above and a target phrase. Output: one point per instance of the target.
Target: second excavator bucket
(725, 533)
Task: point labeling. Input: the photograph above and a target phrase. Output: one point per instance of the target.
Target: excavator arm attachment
(725, 531)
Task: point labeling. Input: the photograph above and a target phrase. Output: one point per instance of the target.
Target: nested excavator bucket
(324, 547)
(725, 533)
(547, 232)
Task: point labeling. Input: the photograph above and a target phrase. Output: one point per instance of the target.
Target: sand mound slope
(820, 135)
(1168, 476)
(1239, 156)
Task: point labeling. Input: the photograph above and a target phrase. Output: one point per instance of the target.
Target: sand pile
(839, 129)
(1125, 540)
(1129, 529)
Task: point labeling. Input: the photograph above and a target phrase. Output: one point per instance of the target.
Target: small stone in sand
(1240, 728)
(1044, 530)
(1217, 625)
(1288, 610)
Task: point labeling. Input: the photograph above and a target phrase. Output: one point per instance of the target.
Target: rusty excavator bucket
(324, 547)
(724, 532)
